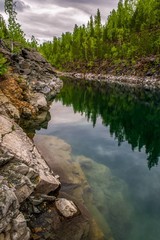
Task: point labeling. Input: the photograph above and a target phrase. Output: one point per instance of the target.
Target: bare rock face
(18, 144)
(8, 207)
(19, 228)
(37, 71)
(22, 171)
(5, 157)
(7, 108)
(38, 100)
(27, 54)
(12, 222)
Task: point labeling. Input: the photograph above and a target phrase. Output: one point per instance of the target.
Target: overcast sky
(47, 18)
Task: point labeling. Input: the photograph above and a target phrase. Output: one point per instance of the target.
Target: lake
(118, 130)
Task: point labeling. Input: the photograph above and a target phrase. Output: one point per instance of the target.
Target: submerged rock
(51, 224)
(92, 184)
(109, 196)
(66, 208)
(58, 155)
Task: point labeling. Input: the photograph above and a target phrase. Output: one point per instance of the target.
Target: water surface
(118, 130)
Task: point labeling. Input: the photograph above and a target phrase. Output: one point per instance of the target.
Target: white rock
(17, 142)
(66, 208)
(38, 100)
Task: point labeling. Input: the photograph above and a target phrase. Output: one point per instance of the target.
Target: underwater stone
(66, 208)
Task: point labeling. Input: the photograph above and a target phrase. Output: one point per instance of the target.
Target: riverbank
(144, 82)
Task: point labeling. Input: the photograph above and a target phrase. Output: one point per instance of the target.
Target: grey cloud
(21, 6)
(73, 3)
(50, 21)
(1, 6)
(90, 7)
(77, 3)
(47, 25)
(52, 26)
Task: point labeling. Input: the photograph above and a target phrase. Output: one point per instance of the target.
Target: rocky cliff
(24, 94)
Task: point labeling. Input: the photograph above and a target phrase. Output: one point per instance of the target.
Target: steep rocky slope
(25, 178)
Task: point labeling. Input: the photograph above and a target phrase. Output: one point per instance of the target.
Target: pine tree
(131, 31)
(3, 28)
(14, 28)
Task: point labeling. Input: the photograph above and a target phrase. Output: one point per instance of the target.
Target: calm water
(119, 131)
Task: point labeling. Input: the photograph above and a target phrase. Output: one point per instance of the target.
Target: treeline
(131, 31)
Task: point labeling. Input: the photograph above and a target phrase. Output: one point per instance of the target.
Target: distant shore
(148, 82)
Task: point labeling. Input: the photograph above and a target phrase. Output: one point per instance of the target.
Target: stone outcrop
(24, 94)
(38, 72)
(22, 172)
(31, 80)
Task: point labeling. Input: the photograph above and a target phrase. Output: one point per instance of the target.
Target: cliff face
(24, 93)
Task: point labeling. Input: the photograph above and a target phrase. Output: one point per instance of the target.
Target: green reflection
(132, 115)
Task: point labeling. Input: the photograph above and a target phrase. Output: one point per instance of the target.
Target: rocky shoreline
(34, 203)
(26, 180)
(150, 83)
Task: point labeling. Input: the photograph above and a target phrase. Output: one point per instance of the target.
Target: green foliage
(131, 31)
(3, 65)
(12, 33)
(33, 43)
(3, 28)
(14, 28)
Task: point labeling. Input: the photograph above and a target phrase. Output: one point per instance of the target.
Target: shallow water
(118, 130)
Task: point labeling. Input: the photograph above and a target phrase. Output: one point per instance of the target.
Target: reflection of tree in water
(131, 117)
